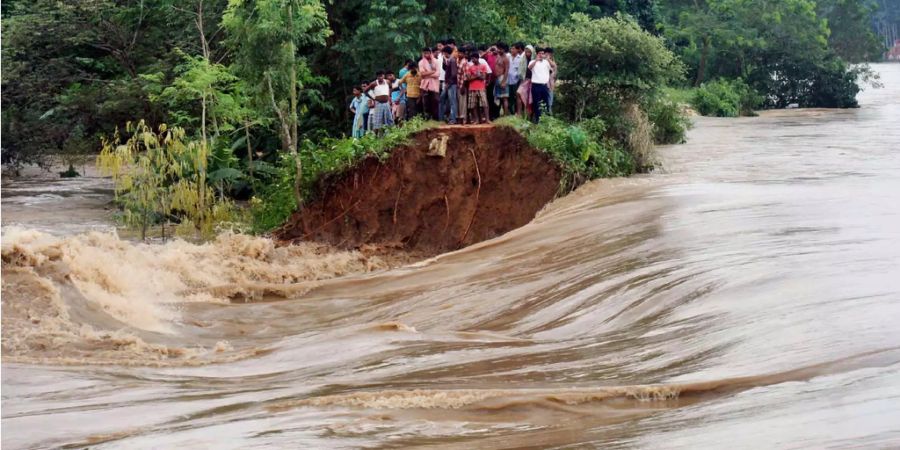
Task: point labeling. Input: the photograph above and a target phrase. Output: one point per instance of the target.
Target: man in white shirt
(515, 63)
(540, 81)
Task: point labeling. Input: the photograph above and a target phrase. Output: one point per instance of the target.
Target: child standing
(369, 97)
(360, 108)
(413, 82)
(400, 106)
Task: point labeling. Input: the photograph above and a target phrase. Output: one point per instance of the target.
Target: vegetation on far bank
(245, 100)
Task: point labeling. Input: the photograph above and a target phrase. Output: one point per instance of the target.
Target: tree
(158, 173)
(78, 64)
(609, 60)
(390, 34)
(265, 37)
(702, 32)
(779, 47)
(645, 12)
(887, 21)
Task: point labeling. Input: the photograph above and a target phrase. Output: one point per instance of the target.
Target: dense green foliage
(582, 149)
(726, 98)
(607, 63)
(670, 125)
(850, 23)
(71, 70)
(159, 172)
(790, 51)
(263, 85)
(613, 70)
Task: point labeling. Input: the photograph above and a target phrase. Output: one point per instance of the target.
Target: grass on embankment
(584, 151)
(275, 202)
(680, 96)
(581, 150)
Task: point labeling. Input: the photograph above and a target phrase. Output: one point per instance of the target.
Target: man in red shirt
(489, 55)
(477, 73)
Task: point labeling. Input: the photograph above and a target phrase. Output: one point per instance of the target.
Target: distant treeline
(886, 21)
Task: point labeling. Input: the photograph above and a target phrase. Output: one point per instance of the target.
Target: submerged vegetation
(157, 173)
(255, 92)
(726, 98)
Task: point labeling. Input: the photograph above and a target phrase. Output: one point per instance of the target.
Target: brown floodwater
(746, 296)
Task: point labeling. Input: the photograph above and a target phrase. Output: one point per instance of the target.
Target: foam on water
(125, 292)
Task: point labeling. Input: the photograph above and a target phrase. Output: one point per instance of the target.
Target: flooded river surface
(748, 297)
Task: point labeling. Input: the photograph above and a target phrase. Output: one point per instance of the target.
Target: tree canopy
(258, 86)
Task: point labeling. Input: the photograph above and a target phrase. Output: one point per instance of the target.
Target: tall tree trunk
(201, 160)
(203, 42)
(203, 118)
(701, 69)
(249, 157)
(294, 119)
(285, 127)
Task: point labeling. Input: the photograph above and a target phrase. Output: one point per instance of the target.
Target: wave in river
(495, 400)
(94, 298)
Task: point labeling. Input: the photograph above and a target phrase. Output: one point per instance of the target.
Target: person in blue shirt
(360, 108)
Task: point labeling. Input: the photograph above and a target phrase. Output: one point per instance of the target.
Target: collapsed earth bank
(448, 188)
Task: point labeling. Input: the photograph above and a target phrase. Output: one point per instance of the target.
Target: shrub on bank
(670, 125)
(726, 98)
(606, 64)
(581, 149)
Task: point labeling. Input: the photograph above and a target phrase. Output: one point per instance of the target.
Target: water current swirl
(748, 295)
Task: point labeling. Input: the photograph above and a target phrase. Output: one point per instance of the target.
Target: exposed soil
(489, 182)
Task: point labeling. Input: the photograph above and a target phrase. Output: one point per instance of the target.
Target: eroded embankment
(489, 181)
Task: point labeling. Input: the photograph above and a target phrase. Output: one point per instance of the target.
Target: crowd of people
(458, 85)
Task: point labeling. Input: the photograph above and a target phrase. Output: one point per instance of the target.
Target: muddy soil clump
(451, 187)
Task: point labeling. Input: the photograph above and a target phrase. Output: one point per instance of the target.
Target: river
(747, 296)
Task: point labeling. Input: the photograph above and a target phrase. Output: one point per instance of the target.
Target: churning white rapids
(747, 296)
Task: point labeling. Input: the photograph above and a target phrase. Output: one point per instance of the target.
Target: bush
(608, 63)
(678, 95)
(275, 201)
(669, 124)
(333, 155)
(160, 173)
(582, 150)
(826, 83)
(726, 98)
(835, 85)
